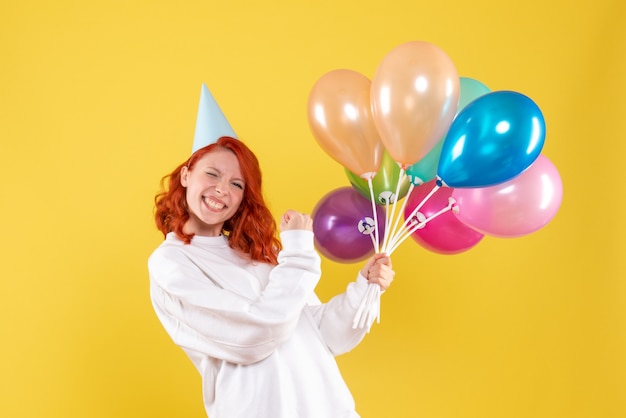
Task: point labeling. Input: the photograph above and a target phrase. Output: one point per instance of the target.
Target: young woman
(241, 303)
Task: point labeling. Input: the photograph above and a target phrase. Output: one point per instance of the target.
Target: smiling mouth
(212, 204)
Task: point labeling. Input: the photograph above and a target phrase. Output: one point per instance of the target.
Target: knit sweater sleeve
(213, 320)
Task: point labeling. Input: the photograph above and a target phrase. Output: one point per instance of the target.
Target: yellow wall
(98, 100)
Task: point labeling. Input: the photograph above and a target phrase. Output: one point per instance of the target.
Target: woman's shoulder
(171, 248)
(169, 244)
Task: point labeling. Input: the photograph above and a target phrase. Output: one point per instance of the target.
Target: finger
(384, 260)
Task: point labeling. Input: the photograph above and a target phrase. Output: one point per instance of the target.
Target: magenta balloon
(337, 219)
(516, 207)
(444, 234)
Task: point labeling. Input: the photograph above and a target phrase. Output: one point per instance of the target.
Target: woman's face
(215, 188)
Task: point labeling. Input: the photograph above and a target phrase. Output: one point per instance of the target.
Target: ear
(184, 174)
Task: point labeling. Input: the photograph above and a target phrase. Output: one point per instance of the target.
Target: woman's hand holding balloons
(467, 160)
(378, 270)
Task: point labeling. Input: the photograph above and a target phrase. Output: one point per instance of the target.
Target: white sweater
(261, 339)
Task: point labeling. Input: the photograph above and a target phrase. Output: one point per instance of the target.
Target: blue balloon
(492, 140)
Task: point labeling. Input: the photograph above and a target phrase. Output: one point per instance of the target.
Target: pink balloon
(444, 234)
(516, 207)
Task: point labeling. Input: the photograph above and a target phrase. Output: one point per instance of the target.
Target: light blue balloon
(492, 140)
(470, 90)
(425, 169)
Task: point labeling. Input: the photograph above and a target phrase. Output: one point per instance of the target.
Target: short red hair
(251, 230)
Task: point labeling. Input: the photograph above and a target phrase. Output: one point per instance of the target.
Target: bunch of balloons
(466, 161)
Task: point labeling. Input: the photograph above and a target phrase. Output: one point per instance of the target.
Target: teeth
(213, 204)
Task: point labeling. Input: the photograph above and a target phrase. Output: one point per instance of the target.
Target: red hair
(251, 230)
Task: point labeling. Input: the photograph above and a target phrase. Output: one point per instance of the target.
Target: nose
(221, 187)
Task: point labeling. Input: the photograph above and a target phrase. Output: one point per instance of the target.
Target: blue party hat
(211, 124)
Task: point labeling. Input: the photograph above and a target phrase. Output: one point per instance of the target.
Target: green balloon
(384, 183)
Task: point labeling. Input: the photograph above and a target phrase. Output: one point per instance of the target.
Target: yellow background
(98, 101)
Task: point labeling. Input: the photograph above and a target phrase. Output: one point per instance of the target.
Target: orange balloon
(340, 118)
(414, 97)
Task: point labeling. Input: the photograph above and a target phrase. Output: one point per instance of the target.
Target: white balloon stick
(421, 224)
(375, 238)
(389, 233)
